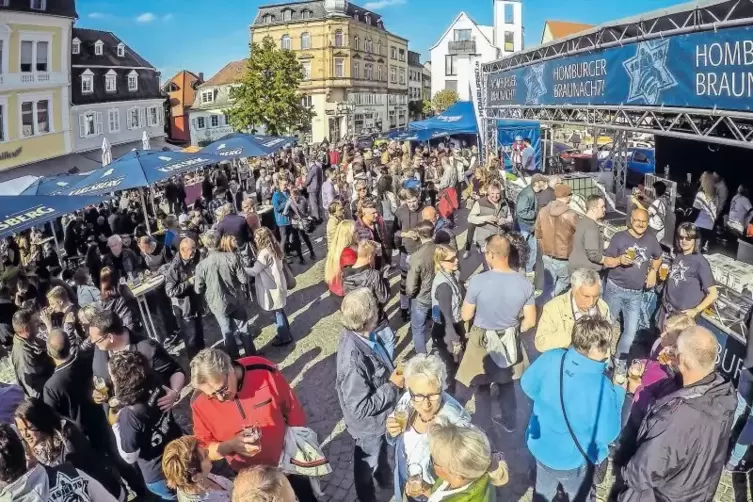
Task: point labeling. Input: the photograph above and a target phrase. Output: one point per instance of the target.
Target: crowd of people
(621, 369)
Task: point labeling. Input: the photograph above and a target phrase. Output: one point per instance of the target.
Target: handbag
(448, 202)
(596, 473)
(289, 276)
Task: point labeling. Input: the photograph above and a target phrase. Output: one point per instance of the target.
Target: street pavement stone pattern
(310, 366)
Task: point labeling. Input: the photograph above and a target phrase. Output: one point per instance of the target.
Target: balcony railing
(462, 47)
(31, 80)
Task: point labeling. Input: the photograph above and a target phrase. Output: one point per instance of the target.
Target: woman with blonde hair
(271, 285)
(336, 213)
(228, 244)
(262, 483)
(186, 466)
(446, 299)
(342, 253)
(706, 203)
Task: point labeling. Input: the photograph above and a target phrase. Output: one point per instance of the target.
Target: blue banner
(697, 70)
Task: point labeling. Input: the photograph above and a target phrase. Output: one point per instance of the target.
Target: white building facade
(454, 56)
(208, 121)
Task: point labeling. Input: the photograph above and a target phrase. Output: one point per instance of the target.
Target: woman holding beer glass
(407, 427)
(690, 287)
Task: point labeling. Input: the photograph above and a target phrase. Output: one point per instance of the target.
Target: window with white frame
(99, 48)
(367, 18)
(268, 19)
(356, 69)
(339, 67)
(90, 124)
(305, 14)
(402, 75)
(152, 116)
(306, 65)
(35, 117)
(133, 81)
(38, 4)
(207, 97)
(393, 74)
(76, 46)
(135, 118)
(368, 45)
(285, 42)
(121, 50)
(287, 15)
(393, 53)
(200, 123)
(379, 73)
(111, 81)
(368, 71)
(338, 38)
(379, 47)
(214, 121)
(307, 101)
(113, 120)
(305, 40)
(356, 41)
(35, 56)
(87, 82)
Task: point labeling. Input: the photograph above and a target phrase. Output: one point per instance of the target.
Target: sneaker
(742, 467)
(466, 254)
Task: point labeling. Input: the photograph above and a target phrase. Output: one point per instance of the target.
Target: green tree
(268, 94)
(443, 99)
(426, 104)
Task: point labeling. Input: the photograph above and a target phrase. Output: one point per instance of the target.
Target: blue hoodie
(593, 404)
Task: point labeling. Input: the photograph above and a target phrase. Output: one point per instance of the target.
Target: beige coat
(271, 288)
(478, 368)
(556, 324)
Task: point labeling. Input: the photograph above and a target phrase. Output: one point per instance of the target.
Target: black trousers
(302, 488)
(192, 332)
(370, 463)
(290, 239)
(159, 298)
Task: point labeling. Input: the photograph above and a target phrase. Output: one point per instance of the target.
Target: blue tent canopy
(19, 212)
(460, 118)
(139, 169)
(275, 142)
(53, 185)
(238, 144)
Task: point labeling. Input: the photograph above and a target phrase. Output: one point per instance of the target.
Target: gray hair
(592, 333)
(359, 310)
(698, 347)
(429, 366)
(211, 239)
(461, 451)
(114, 239)
(584, 277)
(209, 364)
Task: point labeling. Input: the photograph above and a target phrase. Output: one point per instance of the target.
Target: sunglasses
(222, 392)
(686, 238)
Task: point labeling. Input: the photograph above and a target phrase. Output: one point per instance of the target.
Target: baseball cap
(562, 190)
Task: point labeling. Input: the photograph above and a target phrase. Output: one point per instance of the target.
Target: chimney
(201, 76)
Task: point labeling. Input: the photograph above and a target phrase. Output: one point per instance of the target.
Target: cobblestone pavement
(309, 364)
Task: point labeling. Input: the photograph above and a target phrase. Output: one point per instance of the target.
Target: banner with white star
(700, 70)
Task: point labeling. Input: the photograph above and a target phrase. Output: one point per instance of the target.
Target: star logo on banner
(534, 80)
(648, 72)
(222, 146)
(679, 273)
(165, 159)
(107, 173)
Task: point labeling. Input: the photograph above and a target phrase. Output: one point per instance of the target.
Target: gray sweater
(588, 246)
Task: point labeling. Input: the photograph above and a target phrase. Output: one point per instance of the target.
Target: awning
(460, 118)
(83, 162)
(20, 212)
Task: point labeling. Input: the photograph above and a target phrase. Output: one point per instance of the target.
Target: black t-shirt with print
(646, 248)
(147, 430)
(689, 281)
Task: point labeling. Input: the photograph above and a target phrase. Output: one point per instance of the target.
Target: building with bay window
(34, 92)
(115, 94)
(356, 71)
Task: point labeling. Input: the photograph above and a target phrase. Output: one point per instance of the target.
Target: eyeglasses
(420, 398)
(686, 238)
(451, 259)
(99, 340)
(222, 392)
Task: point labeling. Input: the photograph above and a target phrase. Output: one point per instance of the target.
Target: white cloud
(167, 17)
(381, 4)
(146, 17)
(97, 15)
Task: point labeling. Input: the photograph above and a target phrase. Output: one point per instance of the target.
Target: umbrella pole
(57, 244)
(146, 214)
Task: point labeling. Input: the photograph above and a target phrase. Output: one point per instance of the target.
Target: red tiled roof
(563, 29)
(230, 73)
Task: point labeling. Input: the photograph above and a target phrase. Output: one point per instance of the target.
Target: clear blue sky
(203, 35)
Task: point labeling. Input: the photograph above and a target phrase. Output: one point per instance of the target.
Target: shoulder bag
(596, 473)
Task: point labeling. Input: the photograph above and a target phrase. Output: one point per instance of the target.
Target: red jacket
(347, 258)
(264, 396)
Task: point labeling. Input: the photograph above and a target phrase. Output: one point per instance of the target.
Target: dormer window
(355, 15)
(121, 50)
(76, 46)
(99, 48)
(111, 81)
(367, 18)
(207, 97)
(133, 81)
(87, 82)
(268, 19)
(38, 4)
(287, 15)
(305, 14)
